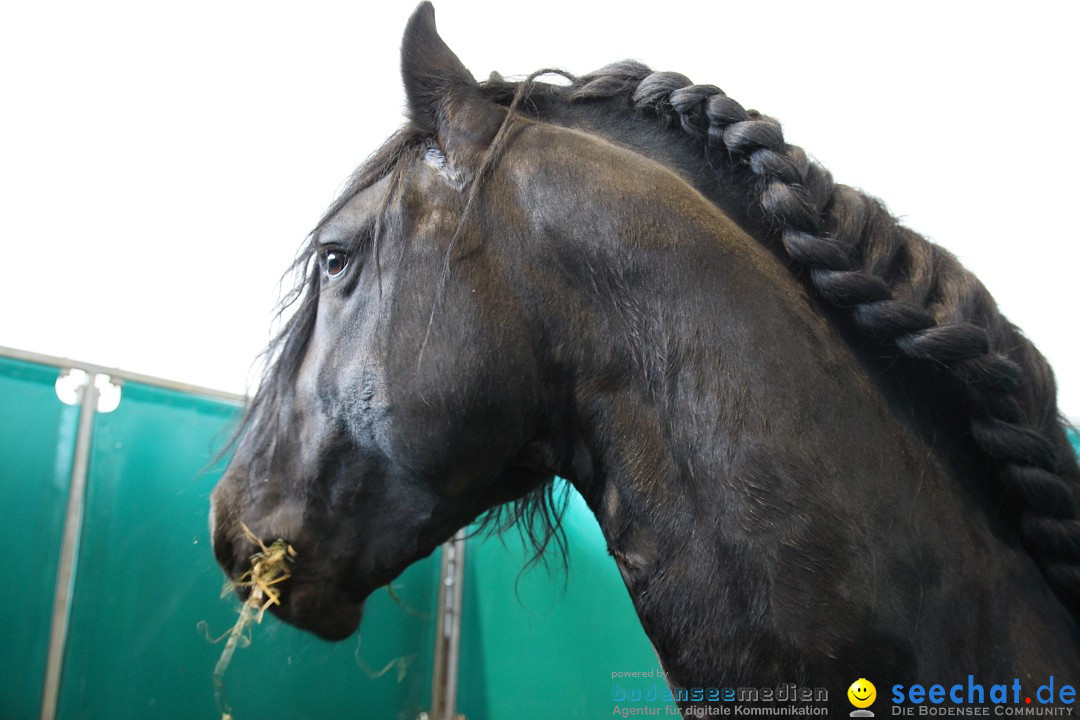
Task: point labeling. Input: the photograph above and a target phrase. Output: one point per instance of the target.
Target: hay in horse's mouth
(269, 568)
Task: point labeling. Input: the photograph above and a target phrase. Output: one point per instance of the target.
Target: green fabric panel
(147, 579)
(535, 648)
(37, 445)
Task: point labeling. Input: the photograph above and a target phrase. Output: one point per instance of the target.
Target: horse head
(405, 396)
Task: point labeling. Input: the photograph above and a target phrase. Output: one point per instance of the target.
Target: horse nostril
(232, 559)
(223, 550)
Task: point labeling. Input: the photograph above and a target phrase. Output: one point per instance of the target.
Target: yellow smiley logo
(862, 693)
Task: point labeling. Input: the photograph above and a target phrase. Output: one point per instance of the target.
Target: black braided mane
(899, 290)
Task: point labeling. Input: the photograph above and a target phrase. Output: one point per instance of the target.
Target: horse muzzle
(304, 599)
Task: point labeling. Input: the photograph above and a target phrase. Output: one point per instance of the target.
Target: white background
(161, 163)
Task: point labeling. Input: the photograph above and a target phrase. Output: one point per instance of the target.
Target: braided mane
(900, 291)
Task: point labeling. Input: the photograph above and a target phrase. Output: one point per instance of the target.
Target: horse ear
(443, 96)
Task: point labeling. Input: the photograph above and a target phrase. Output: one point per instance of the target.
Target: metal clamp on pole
(69, 548)
(448, 632)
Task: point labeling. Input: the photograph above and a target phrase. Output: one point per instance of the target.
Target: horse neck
(715, 458)
(757, 490)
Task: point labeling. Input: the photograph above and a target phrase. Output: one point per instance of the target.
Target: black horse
(816, 449)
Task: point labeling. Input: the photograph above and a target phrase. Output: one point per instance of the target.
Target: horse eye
(336, 261)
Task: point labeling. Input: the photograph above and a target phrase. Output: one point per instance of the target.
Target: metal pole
(448, 630)
(116, 375)
(69, 549)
